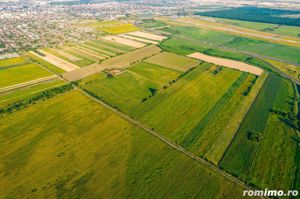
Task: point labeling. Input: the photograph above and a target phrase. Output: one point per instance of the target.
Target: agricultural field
(15, 71)
(219, 126)
(293, 31)
(266, 135)
(289, 69)
(37, 60)
(10, 97)
(132, 87)
(152, 23)
(189, 96)
(71, 57)
(213, 38)
(173, 61)
(125, 41)
(75, 143)
(119, 28)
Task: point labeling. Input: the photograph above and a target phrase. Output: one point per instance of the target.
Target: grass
(12, 62)
(177, 110)
(173, 61)
(241, 153)
(21, 73)
(120, 28)
(27, 92)
(287, 53)
(128, 89)
(68, 145)
(44, 63)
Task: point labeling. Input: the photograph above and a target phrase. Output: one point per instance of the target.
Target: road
(152, 132)
(28, 83)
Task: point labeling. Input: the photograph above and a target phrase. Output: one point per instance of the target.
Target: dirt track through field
(64, 65)
(227, 63)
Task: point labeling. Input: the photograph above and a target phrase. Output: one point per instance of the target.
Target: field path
(170, 143)
(64, 65)
(29, 83)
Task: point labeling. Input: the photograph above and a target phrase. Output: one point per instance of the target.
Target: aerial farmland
(153, 107)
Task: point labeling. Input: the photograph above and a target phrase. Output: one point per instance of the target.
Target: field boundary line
(168, 142)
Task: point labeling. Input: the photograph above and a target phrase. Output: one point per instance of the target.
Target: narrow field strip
(147, 35)
(97, 49)
(69, 56)
(106, 47)
(91, 52)
(138, 39)
(124, 41)
(227, 63)
(28, 83)
(64, 65)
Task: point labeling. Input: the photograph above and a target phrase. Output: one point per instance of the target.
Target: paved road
(29, 83)
(170, 143)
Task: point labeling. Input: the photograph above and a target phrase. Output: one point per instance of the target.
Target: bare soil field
(147, 35)
(64, 65)
(121, 61)
(227, 63)
(138, 39)
(124, 41)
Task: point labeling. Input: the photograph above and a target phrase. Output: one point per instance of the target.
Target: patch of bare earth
(228, 63)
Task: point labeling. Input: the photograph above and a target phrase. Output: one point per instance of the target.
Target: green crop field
(222, 122)
(27, 92)
(173, 61)
(176, 111)
(265, 136)
(208, 37)
(128, 89)
(16, 74)
(69, 145)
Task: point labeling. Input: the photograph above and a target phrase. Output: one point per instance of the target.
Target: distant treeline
(70, 3)
(256, 14)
